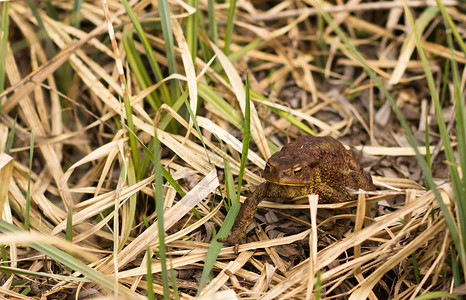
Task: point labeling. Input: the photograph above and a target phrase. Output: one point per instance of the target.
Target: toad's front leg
(246, 214)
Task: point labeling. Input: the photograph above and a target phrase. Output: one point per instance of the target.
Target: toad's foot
(245, 215)
(235, 238)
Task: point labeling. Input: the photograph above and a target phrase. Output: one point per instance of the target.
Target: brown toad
(309, 165)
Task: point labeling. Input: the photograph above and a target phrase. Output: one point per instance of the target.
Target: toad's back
(316, 160)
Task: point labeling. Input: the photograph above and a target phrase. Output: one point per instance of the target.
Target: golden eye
(297, 170)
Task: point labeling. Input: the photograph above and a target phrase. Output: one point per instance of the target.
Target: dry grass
(83, 172)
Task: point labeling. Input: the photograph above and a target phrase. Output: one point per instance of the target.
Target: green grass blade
(428, 153)
(438, 295)
(51, 10)
(149, 277)
(4, 29)
(149, 51)
(11, 135)
(212, 21)
(173, 283)
(75, 19)
(216, 246)
(449, 22)
(167, 31)
(138, 69)
(460, 120)
(318, 286)
(69, 229)
(159, 202)
(69, 224)
(132, 140)
(4, 257)
(459, 181)
(192, 26)
(244, 50)
(28, 193)
(230, 26)
(455, 268)
(229, 185)
(131, 211)
(246, 139)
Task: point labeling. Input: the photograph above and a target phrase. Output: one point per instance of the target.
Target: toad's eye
(297, 170)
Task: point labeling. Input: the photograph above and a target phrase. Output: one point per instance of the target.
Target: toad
(309, 165)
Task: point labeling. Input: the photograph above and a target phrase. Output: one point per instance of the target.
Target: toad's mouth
(285, 183)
